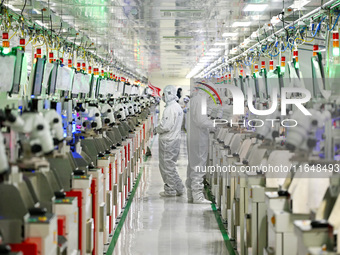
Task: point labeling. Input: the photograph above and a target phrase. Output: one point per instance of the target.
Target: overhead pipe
(308, 15)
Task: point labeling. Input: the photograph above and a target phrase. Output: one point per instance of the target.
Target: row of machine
(71, 148)
(277, 185)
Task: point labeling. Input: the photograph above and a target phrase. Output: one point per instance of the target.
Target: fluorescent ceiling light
(220, 44)
(256, 17)
(229, 34)
(241, 24)
(13, 8)
(212, 53)
(299, 4)
(255, 7)
(215, 49)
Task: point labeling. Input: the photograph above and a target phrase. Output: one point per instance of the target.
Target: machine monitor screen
(38, 76)
(53, 79)
(17, 72)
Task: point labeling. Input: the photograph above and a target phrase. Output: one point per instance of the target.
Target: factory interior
(169, 127)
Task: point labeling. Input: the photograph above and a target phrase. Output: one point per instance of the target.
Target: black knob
(283, 193)
(37, 211)
(5, 249)
(40, 127)
(290, 147)
(60, 194)
(109, 110)
(311, 143)
(113, 147)
(97, 115)
(55, 141)
(56, 120)
(11, 118)
(93, 124)
(100, 155)
(84, 124)
(314, 122)
(107, 121)
(319, 224)
(275, 134)
(35, 148)
(91, 166)
(260, 137)
(79, 172)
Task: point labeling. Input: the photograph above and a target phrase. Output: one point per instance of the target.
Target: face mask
(163, 98)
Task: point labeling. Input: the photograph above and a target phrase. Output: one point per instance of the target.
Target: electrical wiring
(9, 21)
(273, 56)
(335, 22)
(318, 27)
(28, 42)
(84, 56)
(12, 35)
(23, 8)
(249, 62)
(283, 49)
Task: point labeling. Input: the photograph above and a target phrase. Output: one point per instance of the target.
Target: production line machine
(71, 149)
(277, 187)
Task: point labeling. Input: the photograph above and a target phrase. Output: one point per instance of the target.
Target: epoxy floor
(156, 225)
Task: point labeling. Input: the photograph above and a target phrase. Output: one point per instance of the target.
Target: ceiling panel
(154, 35)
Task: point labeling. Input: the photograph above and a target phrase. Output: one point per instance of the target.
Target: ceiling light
(229, 34)
(220, 44)
(13, 8)
(256, 17)
(255, 7)
(215, 49)
(299, 4)
(241, 24)
(212, 53)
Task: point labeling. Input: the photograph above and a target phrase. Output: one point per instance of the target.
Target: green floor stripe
(126, 210)
(122, 219)
(220, 224)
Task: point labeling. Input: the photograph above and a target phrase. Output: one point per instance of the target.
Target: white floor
(156, 225)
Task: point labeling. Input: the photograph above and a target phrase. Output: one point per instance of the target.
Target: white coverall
(198, 142)
(169, 130)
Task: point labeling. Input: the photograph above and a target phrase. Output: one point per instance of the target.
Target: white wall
(162, 81)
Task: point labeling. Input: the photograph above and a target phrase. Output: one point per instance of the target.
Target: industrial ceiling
(168, 37)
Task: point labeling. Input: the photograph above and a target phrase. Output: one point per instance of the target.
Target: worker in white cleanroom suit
(198, 141)
(169, 130)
